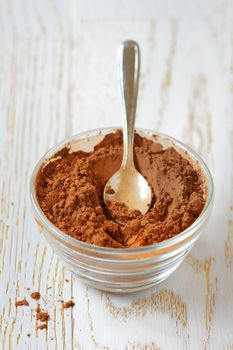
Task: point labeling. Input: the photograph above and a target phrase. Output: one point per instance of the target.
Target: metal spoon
(127, 185)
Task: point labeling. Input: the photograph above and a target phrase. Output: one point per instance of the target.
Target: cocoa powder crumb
(68, 304)
(38, 309)
(110, 190)
(42, 316)
(42, 326)
(35, 295)
(69, 190)
(21, 303)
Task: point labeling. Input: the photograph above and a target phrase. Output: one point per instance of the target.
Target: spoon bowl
(129, 187)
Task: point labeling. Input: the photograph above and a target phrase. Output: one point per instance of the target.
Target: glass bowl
(114, 269)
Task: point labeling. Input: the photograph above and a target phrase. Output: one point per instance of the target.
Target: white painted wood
(57, 78)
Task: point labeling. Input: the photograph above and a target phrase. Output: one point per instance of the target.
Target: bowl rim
(116, 251)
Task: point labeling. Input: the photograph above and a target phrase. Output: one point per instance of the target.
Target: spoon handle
(128, 70)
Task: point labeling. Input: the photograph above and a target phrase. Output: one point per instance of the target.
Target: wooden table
(57, 78)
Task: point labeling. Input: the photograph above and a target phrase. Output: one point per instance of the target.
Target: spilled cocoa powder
(42, 326)
(23, 302)
(35, 295)
(68, 304)
(69, 189)
(42, 316)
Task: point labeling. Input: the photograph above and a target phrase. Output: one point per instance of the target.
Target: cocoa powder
(42, 326)
(68, 304)
(42, 316)
(23, 302)
(69, 190)
(35, 295)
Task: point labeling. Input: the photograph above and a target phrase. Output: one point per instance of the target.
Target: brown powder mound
(68, 304)
(21, 303)
(35, 295)
(69, 190)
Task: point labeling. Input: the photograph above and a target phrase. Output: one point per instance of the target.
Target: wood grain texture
(58, 77)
